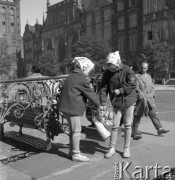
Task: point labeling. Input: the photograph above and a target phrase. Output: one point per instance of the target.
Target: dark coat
(76, 90)
(124, 80)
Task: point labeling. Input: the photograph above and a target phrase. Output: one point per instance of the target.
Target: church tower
(18, 17)
(10, 28)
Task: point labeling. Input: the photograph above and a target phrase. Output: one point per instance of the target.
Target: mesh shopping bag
(101, 129)
(106, 117)
(103, 120)
(100, 123)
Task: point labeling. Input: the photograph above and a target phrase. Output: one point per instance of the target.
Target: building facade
(159, 19)
(97, 16)
(32, 42)
(10, 24)
(128, 29)
(61, 29)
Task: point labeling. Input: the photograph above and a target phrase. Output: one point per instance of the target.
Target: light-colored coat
(146, 92)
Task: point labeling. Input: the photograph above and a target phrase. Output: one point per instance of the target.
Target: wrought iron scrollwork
(29, 101)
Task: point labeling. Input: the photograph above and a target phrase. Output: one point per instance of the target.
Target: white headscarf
(86, 64)
(114, 58)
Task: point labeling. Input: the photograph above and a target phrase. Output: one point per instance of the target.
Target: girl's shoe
(80, 158)
(126, 152)
(110, 153)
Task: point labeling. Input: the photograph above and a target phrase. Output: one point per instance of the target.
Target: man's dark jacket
(76, 90)
(124, 80)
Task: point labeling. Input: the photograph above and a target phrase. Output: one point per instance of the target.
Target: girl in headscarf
(75, 92)
(119, 82)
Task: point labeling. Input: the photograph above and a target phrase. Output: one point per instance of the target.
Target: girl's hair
(75, 65)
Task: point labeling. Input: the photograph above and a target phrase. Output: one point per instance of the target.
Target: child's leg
(128, 118)
(70, 134)
(76, 133)
(114, 133)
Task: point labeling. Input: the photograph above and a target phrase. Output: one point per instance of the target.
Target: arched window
(3, 11)
(12, 11)
(3, 19)
(12, 15)
(12, 20)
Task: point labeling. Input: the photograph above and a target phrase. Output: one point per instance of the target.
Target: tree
(156, 53)
(93, 47)
(170, 3)
(5, 58)
(48, 64)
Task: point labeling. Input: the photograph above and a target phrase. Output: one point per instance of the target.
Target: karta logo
(125, 170)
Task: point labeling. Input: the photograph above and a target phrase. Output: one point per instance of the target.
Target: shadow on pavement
(26, 146)
(91, 147)
(149, 133)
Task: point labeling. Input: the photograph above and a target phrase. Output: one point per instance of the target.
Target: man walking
(145, 104)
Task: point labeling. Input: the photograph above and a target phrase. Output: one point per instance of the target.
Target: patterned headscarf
(86, 64)
(114, 58)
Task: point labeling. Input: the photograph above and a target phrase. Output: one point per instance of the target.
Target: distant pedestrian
(36, 72)
(76, 90)
(118, 81)
(145, 104)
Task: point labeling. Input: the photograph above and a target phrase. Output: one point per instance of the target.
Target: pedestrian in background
(76, 90)
(36, 72)
(118, 81)
(145, 104)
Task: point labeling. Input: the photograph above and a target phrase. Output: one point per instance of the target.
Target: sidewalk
(150, 150)
(54, 165)
(160, 87)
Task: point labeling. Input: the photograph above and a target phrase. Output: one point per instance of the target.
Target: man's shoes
(126, 152)
(80, 158)
(136, 136)
(138, 132)
(110, 153)
(162, 131)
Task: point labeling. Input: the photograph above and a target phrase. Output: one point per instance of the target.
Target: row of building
(123, 23)
(10, 31)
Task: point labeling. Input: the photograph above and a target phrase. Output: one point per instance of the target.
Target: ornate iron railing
(34, 102)
(28, 101)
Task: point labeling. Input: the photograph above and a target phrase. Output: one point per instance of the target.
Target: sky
(32, 10)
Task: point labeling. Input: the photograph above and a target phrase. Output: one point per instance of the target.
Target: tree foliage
(156, 53)
(91, 46)
(48, 64)
(5, 58)
(170, 3)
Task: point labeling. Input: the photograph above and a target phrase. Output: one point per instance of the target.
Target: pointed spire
(48, 3)
(27, 21)
(36, 21)
(43, 18)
